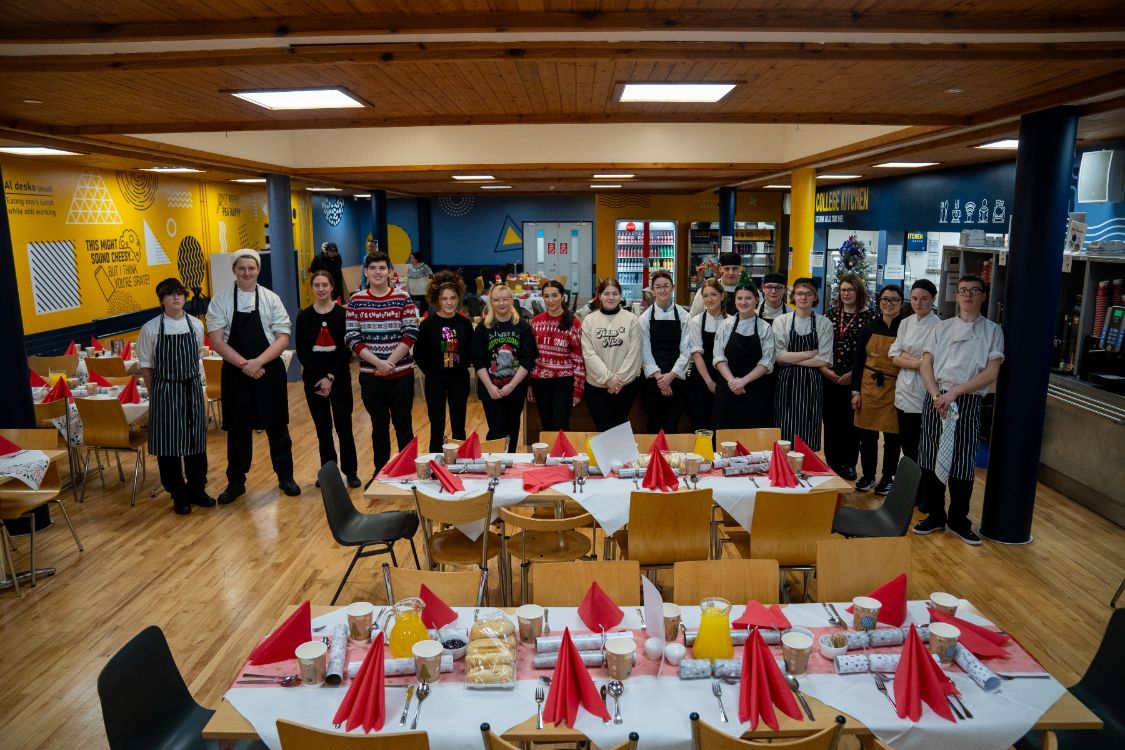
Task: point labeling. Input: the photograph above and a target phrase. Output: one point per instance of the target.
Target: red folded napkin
(7, 447)
(402, 464)
(571, 686)
(919, 679)
(740, 449)
(892, 595)
(759, 616)
(59, 390)
(763, 686)
(37, 380)
(598, 611)
(659, 443)
(562, 447)
(72, 349)
(449, 482)
(659, 475)
(281, 643)
(812, 464)
(365, 702)
(535, 480)
(96, 345)
(129, 394)
(127, 352)
(97, 379)
(984, 643)
(781, 473)
(436, 614)
(470, 448)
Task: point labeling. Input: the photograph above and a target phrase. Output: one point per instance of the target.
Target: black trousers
(555, 398)
(335, 409)
(185, 477)
(503, 417)
(841, 438)
(240, 453)
(932, 494)
(388, 402)
(700, 403)
(869, 453)
(663, 412)
(441, 387)
(909, 433)
(608, 410)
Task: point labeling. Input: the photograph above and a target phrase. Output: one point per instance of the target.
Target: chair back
(1100, 687)
(493, 741)
(454, 513)
(480, 285)
(669, 527)
(786, 526)
(706, 737)
(564, 584)
(735, 580)
(679, 442)
(213, 370)
(107, 366)
(495, 445)
(44, 365)
(153, 716)
(577, 439)
(752, 438)
(899, 504)
(295, 736)
(847, 568)
(562, 279)
(44, 413)
(103, 422)
(338, 506)
(457, 588)
(527, 522)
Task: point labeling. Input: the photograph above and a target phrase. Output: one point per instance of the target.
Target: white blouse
(735, 324)
(913, 335)
(275, 318)
(700, 323)
(790, 321)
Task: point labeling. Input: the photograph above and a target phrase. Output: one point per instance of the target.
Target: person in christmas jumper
(442, 353)
(559, 375)
(503, 354)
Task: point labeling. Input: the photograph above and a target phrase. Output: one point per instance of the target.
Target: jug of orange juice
(408, 628)
(703, 445)
(713, 640)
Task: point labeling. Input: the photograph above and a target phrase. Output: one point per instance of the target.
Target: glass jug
(703, 445)
(713, 640)
(408, 628)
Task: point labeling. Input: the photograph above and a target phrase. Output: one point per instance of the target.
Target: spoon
(616, 688)
(796, 688)
(288, 680)
(422, 693)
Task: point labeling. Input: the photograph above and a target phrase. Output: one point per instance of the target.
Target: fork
(1023, 676)
(540, 696)
(717, 691)
(641, 614)
(881, 685)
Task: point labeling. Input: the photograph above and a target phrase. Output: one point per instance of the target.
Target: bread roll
(500, 627)
(493, 675)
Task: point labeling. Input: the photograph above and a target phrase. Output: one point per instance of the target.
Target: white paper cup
(943, 641)
(427, 660)
(360, 615)
(786, 445)
(671, 621)
(795, 649)
(944, 603)
(422, 469)
(796, 460)
(312, 661)
(449, 453)
(865, 612)
(530, 618)
(620, 654)
(539, 453)
(727, 448)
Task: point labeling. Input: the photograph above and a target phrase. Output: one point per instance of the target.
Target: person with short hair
(559, 376)
(730, 271)
(959, 364)
(803, 345)
(665, 356)
(774, 286)
(443, 354)
(906, 353)
(503, 354)
(705, 380)
(418, 277)
(611, 346)
(328, 259)
(169, 349)
(744, 353)
(250, 329)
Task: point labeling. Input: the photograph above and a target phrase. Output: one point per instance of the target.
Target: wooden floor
(217, 579)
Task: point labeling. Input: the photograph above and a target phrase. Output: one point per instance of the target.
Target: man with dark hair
(329, 260)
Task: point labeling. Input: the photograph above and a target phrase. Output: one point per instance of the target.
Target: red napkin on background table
(659, 443)
(449, 482)
(763, 686)
(571, 686)
(37, 380)
(402, 464)
(984, 643)
(740, 449)
(659, 475)
(470, 448)
(781, 473)
(129, 394)
(436, 613)
(97, 379)
(562, 447)
(365, 702)
(97, 345)
(281, 643)
(59, 390)
(535, 480)
(7, 447)
(598, 611)
(892, 595)
(759, 616)
(919, 679)
(813, 465)
(72, 349)
(127, 351)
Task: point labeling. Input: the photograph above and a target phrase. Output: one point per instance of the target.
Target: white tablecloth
(133, 413)
(25, 466)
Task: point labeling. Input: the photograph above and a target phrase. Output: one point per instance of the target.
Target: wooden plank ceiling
(979, 66)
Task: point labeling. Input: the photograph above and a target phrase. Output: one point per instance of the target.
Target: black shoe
(289, 487)
(354, 481)
(203, 500)
(864, 484)
(317, 484)
(848, 473)
(968, 536)
(182, 509)
(231, 493)
(928, 526)
(884, 487)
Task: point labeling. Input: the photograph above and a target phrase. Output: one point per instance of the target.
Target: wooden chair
(295, 736)
(44, 414)
(121, 380)
(449, 546)
(847, 568)
(706, 737)
(104, 428)
(735, 580)
(493, 741)
(107, 366)
(17, 499)
(44, 365)
(496, 445)
(213, 372)
(679, 442)
(540, 540)
(753, 439)
(667, 527)
(577, 439)
(562, 279)
(479, 281)
(457, 588)
(564, 584)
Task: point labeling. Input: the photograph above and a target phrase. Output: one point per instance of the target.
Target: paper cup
(671, 621)
(796, 460)
(943, 641)
(728, 448)
(866, 612)
(530, 618)
(360, 615)
(795, 649)
(620, 654)
(312, 661)
(422, 468)
(786, 445)
(449, 453)
(427, 660)
(539, 453)
(91, 389)
(944, 603)
(492, 467)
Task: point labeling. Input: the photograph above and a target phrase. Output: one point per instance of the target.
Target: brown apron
(877, 391)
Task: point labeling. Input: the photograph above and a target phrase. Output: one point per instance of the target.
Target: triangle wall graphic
(92, 203)
(511, 238)
(154, 251)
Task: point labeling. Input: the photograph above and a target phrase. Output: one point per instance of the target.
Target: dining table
(133, 412)
(26, 468)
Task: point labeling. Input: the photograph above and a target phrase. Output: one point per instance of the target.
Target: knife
(406, 706)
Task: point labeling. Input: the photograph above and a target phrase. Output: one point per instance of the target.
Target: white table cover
(27, 466)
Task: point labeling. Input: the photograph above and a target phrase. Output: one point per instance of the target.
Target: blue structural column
(17, 411)
(283, 258)
(1043, 167)
(727, 205)
(379, 219)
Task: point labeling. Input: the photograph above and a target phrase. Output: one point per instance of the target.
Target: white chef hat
(246, 253)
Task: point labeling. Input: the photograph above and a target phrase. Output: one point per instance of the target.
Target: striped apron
(177, 417)
(799, 398)
(965, 444)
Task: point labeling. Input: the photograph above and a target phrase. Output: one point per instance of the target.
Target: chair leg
(70, 524)
(85, 473)
(347, 573)
(391, 549)
(1113, 601)
(136, 472)
(31, 550)
(525, 573)
(120, 471)
(70, 451)
(6, 552)
(414, 551)
(805, 590)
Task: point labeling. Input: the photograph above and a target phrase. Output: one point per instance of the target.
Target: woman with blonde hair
(503, 353)
(442, 354)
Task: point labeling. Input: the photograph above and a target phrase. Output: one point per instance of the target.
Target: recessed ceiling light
(362, 195)
(495, 187)
(323, 190)
(906, 164)
(838, 176)
(954, 91)
(250, 180)
(471, 177)
(1006, 143)
(613, 176)
(675, 92)
(171, 170)
(604, 185)
(300, 98)
(778, 187)
(36, 151)
(32, 101)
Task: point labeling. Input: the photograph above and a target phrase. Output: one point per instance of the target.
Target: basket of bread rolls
(490, 659)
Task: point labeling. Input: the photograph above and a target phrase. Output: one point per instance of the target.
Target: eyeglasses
(804, 294)
(970, 292)
(657, 287)
(774, 287)
(890, 300)
(846, 290)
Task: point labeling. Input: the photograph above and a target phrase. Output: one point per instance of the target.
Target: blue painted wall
(340, 220)
(1104, 221)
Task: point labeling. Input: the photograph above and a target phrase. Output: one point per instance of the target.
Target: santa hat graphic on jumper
(324, 340)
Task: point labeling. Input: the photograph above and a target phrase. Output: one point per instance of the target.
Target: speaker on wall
(1101, 177)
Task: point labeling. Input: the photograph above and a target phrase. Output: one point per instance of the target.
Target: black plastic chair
(892, 518)
(1100, 690)
(351, 528)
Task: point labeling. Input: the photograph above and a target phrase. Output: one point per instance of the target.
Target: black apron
(701, 400)
(751, 409)
(728, 303)
(177, 417)
(798, 402)
(664, 339)
(250, 404)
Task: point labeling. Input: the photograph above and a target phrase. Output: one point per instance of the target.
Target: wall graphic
(457, 205)
(138, 188)
(92, 203)
(54, 281)
(510, 236)
(333, 210)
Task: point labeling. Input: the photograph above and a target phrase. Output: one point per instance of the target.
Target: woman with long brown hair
(559, 376)
(611, 346)
(442, 354)
(849, 314)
